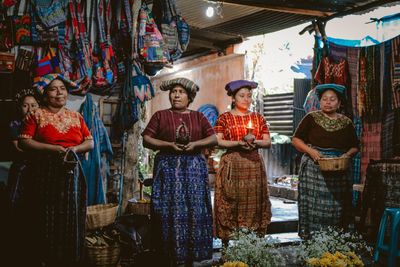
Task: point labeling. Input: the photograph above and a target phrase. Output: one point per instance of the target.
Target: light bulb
(210, 11)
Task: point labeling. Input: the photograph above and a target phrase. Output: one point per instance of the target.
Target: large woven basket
(334, 164)
(103, 255)
(98, 216)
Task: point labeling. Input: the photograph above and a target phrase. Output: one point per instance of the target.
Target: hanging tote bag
(25, 59)
(151, 45)
(169, 30)
(50, 14)
(6, 33)
(48, 64)
(22, 23)
(127, 110)
(142, 85)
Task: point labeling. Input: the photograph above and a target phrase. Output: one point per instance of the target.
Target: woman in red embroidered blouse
(241, 188)
(58, 189)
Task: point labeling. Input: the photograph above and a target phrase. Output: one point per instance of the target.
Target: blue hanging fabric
(92, 167)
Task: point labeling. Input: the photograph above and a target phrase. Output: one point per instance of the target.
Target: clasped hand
(181, 147)
(247, 143)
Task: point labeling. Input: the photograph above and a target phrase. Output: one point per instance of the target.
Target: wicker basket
(103, 255)
(334, 164)
(98, 216)
(139, 208)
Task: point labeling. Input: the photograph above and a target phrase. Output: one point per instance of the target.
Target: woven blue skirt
(181, 208)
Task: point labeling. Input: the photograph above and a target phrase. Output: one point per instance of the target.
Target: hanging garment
(102, 145)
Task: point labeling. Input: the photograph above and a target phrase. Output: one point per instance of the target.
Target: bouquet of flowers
(253, 250)
(348, 259)
(334, 246)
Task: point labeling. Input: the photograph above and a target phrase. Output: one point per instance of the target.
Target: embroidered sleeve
(263, 127)
(220, 124)
(153, 125)
(206, 128)
(84, 129)
(29, 127)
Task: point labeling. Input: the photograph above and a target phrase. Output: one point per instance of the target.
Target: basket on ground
(103, 255)
(101, 215)
(334, 164)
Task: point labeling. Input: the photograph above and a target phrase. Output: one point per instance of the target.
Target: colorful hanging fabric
(104, 29)
(84, 50)
(102, 145)
(353, 55)
(362, 94)
(395, 73)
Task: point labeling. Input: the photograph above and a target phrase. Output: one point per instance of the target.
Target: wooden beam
(284, 9)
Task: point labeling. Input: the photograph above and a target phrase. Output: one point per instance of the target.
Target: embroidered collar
(329, 124)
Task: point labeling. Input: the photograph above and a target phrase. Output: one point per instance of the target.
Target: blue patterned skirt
(325, 198)
(181, 208)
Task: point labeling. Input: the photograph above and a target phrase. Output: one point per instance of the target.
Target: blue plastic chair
(391, 248)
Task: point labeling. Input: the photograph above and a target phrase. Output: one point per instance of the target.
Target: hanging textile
(102, 145)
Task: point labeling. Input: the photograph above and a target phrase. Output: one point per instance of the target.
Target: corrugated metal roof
(244, 18)
(261, 22)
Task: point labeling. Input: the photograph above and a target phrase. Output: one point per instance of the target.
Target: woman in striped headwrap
(181, 202)
(325, 198)
(58, 186)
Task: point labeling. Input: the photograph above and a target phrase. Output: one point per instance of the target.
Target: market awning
(239, 19)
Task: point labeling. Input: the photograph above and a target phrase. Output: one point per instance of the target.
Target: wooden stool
(390, 248)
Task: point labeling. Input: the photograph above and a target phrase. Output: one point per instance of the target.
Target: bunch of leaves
(332, 240)
(253, 250)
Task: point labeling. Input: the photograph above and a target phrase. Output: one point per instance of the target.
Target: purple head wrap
(232, 87)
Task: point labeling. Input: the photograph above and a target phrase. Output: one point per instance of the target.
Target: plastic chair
(391, 248)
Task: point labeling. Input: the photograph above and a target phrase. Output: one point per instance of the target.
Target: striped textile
(370, 145)
(387, 95)
(324, 198)
(357, 159)
(387, 135)
(396, 71)
(181, 208)
(353, 61)
(337, 52)
(241, 194)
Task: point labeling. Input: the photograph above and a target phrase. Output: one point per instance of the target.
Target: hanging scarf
(102, 145)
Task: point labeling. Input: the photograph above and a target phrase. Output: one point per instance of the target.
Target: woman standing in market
(54, 136)
(27, 102)
(241, 187)
(325, 198)
(181, 202)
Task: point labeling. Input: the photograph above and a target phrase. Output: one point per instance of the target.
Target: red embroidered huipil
(65, 128)
(234, 126)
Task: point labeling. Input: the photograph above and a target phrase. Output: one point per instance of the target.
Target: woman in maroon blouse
(181, 202)
(324, 198)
